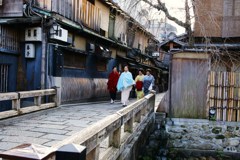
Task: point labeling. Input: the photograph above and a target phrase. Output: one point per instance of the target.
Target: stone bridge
(105, 129)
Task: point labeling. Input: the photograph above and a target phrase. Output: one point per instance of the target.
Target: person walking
(148, 82)
(112, 84)
(139, 84)
(124, 85)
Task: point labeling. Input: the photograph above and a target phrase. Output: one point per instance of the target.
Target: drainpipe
(171, 122)
(43, 59)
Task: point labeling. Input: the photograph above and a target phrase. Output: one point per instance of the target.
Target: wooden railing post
(16, 103)
(128, 126)
(115, 138)
(71, 152)
(57, 97)
(38, 101)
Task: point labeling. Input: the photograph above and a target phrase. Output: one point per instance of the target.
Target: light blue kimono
(125, 81)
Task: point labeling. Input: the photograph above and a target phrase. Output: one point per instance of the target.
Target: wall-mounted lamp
(56, 29)
(212, 113)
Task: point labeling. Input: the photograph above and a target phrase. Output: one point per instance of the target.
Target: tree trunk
(188, 24)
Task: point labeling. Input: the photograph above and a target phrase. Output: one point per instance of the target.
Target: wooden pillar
(16, 104)
(57, 96)
(171, 45)
(38, 101)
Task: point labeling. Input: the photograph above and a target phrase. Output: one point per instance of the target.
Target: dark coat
(112, 81)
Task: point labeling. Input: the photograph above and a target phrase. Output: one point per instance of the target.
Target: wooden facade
(13, 8)
(217, 18)
(189, 84)
(231, 18)
(9, 39)
(81, 11)
(208, 19)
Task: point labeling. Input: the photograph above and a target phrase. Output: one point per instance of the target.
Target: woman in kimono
(112, 83)
(148, 82)
(124, 85)
(139, 84)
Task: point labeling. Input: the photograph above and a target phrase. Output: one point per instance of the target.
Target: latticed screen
(72, 60)
(224, 95)
(4, 75)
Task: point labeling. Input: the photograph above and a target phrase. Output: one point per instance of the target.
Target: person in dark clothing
(112, 83)
(148, 82)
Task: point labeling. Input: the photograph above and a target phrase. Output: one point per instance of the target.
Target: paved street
(51, 126)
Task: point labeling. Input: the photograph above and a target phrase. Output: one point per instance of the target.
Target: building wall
(81, 84)
(120, 26)
(217, 18)
(142, 39)
(11, 8)
(209, 15)
(114, 52)
(12, 61)
(231, 19)
(32, 68)
(189, 77)
(80, 43)
(105, 12)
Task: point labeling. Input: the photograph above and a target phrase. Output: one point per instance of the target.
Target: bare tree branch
(162, 7)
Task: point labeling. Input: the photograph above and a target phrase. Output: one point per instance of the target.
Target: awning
(30, 20)
(139, 64)
(129, 59)
(88, 31)
(160, 64)
(74, 50)
(150, 66)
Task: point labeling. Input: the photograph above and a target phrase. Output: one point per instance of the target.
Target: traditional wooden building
(207, 74)
(72, 44)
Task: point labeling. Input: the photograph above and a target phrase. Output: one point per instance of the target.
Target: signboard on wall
(13, 8)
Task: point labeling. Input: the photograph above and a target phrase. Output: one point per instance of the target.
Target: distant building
(148, 18)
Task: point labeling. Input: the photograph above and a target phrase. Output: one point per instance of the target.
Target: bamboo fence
(224, 95)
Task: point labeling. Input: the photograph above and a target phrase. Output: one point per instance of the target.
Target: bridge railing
(120, 129)
(16, 98)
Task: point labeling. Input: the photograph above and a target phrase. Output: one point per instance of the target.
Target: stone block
(49, 130)
(217, 130)
(30, 152)
(71, 152)
(54, 137)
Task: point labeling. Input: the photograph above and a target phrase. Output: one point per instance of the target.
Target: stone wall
(205, 136)
(193, 139)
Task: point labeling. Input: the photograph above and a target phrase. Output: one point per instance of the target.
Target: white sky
(176, 9)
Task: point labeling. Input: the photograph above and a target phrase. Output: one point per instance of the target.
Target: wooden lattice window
(74, 61)
(101, 65)
(4, 75)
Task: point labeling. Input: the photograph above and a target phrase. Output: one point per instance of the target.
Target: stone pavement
(51, 126)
